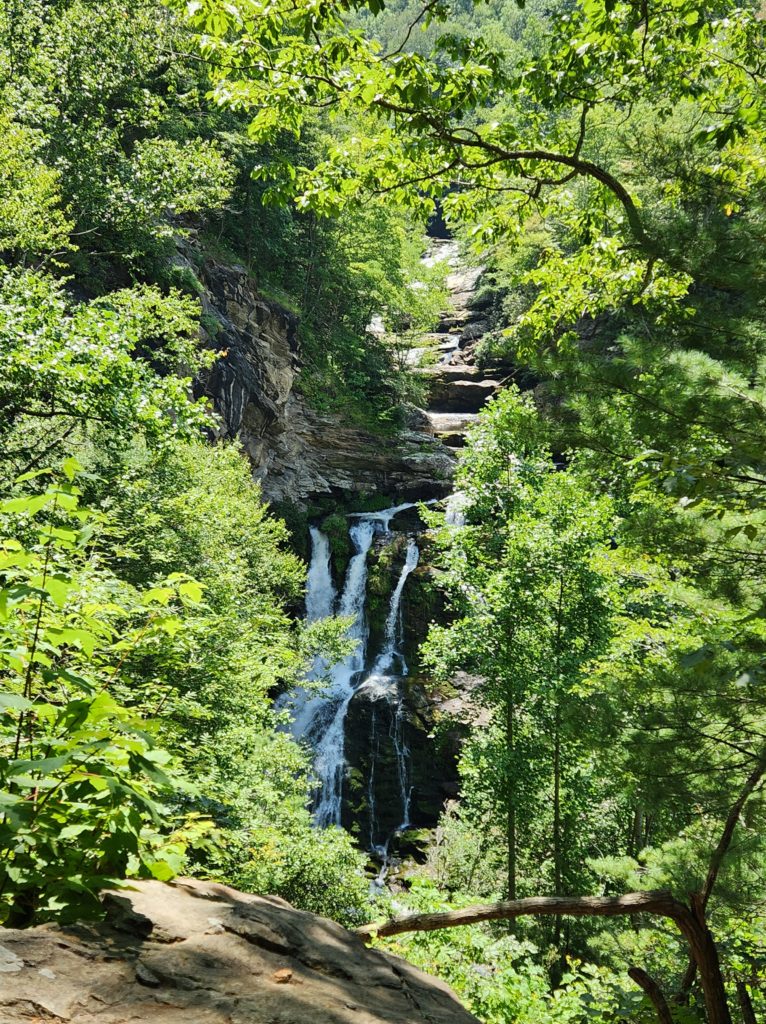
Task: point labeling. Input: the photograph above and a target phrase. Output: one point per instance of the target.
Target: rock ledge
(196, 952)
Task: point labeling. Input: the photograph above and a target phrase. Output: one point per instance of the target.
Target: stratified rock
(460, 389)
(296, 452)
(320, 455)
(445, 423)
(199, 953)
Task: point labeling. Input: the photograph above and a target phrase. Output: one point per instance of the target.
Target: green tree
(533, 599)
(116, 363)
(82, 777)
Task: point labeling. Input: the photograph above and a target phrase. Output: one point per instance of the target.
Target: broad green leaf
(14, 702)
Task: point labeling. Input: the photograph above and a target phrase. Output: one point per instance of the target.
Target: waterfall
(385, 661)
(320, 592)
(383, 682)
(455, 507)
(320, 718)
(385, 516)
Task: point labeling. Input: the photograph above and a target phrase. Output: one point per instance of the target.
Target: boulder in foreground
(196, 952)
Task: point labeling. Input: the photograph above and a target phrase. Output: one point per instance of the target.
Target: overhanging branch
(661, 903)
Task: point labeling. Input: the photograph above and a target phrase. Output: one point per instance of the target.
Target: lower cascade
(376, 676)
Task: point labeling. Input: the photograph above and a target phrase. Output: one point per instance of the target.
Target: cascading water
(454, 509)
(385, 683)
(320, 719)
(320, 592)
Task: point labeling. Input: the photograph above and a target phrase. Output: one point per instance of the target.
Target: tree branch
(661, 903)
(700, 899)
(751, 784)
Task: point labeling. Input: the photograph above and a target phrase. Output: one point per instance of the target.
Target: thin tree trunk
(662, 903)
(557, 845)
(510, 796)
(637, 832)
(745, 1003)
(653, 992)
(557, 817)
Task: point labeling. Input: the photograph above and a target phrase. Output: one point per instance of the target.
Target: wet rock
(461, 392)
(446, 423)
(398, 778)
(262, 963)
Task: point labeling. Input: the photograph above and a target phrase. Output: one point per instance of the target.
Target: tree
(82, 776)
(689, 919)
(633, 137)
(434, 119)
(532, 605)
(113, 364)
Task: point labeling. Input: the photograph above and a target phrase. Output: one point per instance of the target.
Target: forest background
(606, 161)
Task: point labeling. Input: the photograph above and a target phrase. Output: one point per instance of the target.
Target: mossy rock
(384, 566)
(423, 603)
(335, 528)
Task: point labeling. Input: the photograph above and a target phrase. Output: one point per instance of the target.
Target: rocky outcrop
(319, 454)
(458, 388)
(298, 453)
(393, 761)
(200, 953)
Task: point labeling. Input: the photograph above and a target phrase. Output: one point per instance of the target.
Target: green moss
(335, 528)
(210, 323)
(383, 571)
(279, 297)
(183, 278)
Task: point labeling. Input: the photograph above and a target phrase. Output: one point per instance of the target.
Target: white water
(454, 508)
(320, 718)
(383, 683)
(384, 663)
(320, 592)
(383, 517)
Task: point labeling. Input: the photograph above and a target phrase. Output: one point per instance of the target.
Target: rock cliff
(298, 453)
(199, 953)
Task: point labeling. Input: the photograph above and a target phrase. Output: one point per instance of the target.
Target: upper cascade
(458, 387)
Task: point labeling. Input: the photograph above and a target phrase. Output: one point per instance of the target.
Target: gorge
(369, 714)
(382, 419)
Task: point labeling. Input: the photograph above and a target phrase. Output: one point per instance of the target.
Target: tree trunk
(557, 847)
(745, 1003)
(705, 955)
(700, 902)
(653, 992)
(637, 832)
(510, 796)
(557, 852)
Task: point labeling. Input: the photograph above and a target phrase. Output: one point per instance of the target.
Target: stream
(378, 773)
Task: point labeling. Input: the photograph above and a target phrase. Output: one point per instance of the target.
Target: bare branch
(661, 903)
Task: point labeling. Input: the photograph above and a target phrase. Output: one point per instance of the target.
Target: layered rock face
(199, 953)
(458, 388)
(296, 452)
